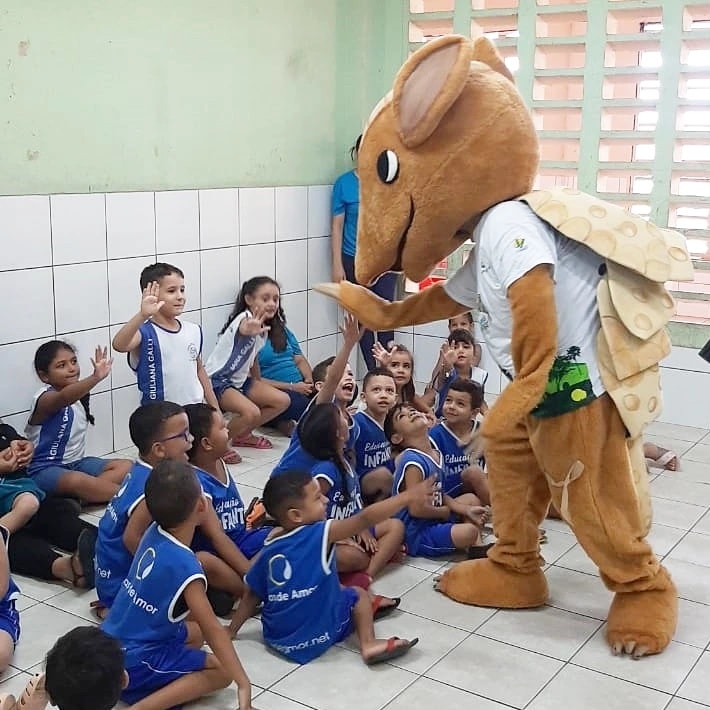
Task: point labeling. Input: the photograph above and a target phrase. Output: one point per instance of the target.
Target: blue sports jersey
(113, 560)
(228, 505)
(476, 374)
(341, 503)
(296, 578)
(372, 448)
(454, 457)
(143, 613)
(428, 467)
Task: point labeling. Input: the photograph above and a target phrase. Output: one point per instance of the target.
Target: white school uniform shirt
(510, 241)
(233, 355)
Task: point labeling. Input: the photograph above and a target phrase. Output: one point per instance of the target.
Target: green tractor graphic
(568, 385)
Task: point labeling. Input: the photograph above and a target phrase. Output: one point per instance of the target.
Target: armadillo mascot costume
(570, 296)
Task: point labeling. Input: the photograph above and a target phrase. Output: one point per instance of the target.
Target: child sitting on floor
(163, 653)
(324, 432)
(453, 435)
(9, 616)
(449, 524)
(373, 456)
(210, 443)
(306, 611)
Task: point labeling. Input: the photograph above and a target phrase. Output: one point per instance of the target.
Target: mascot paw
(487, 583)
(332, 290)
(642, 623)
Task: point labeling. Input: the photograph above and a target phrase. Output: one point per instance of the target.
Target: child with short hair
(453, 435)
(373, 455)
(449, 524)
(323, 431)
(159, 430)
(306, 611)
(210, 442)
(163, 653)
(233, 367)
(58, 423)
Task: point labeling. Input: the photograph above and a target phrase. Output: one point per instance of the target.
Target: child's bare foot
(381, 650)
(34, 696)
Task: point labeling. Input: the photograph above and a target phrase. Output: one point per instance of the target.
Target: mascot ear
(484, 51)
(428, 84)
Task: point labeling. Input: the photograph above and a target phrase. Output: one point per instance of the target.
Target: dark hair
(180, 479)
(145, 425)
(84, 670)
(388, 425)
(471, 388)
(355, 148)
(408, 392)
(468, 315)
(157, 272)
(375, 372)
(321, 369)
(200, 418)
(43, 359)
(283, 492)
(317, 431)
(277, 332)
(461, 336)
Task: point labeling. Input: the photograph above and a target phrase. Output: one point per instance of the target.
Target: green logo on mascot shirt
(568, 386)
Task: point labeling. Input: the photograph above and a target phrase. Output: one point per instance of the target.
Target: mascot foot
(642, 623)
(487, 583)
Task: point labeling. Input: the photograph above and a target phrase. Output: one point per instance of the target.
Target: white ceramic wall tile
(256, 215)
(426, 353)
(292, 265)
(124, 293)
(295, 307)
(177, 221)
(219, 269)
(685, 397)
(291, 213)
(99, 438)
(189, 263)
(405, 338)
(84, 343)
(437, 329)
(25, 220)
(319, 210)
(21, 384)
(212, 321)
(257, 260)
(322, 315)
(78, 228)
(319, 261)
(121, 373)
(130, 224)
(496, 381)
(28, 305)
(81, 296)
(125, 401)
(219, 218)
(321, 348)
(17, 421)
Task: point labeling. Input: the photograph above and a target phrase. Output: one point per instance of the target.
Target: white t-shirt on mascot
(510, 241)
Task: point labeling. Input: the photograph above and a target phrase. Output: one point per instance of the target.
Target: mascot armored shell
(570, 296)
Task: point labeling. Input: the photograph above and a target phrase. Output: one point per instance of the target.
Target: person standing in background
(344, 210)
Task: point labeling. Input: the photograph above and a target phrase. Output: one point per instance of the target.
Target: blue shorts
(10, 488)
(220, 388)
(250, 542)
(453, 485)
(348, 599)
(10, 621)
(47, 478)
(151, 668)
(434, 541)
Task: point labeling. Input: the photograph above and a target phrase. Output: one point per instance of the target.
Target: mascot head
(451, 139)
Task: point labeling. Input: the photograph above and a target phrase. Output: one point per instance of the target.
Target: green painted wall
(146, 94)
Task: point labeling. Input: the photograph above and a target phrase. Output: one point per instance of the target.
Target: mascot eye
(388, 166)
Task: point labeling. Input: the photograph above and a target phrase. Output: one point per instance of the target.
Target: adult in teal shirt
(345, 204)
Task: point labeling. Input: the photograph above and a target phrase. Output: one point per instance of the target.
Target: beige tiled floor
(550, 658)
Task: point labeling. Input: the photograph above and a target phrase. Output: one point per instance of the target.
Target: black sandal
(85, 549)
(479, 552)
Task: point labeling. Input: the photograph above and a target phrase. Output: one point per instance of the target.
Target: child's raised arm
(351, 336)
(218, 639)
(52, 401)
(422, 493)
(129, 338)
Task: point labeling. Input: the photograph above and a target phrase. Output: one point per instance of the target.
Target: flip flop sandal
(85, 549)
(253, 442)
(392, 651)
(232, 457)
(7, 702)
(479, 552)
(34, 696)
(379, 611)
(664, 459)
(355, 579)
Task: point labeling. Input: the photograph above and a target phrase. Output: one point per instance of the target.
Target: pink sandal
(232, 457)
(253, 441)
